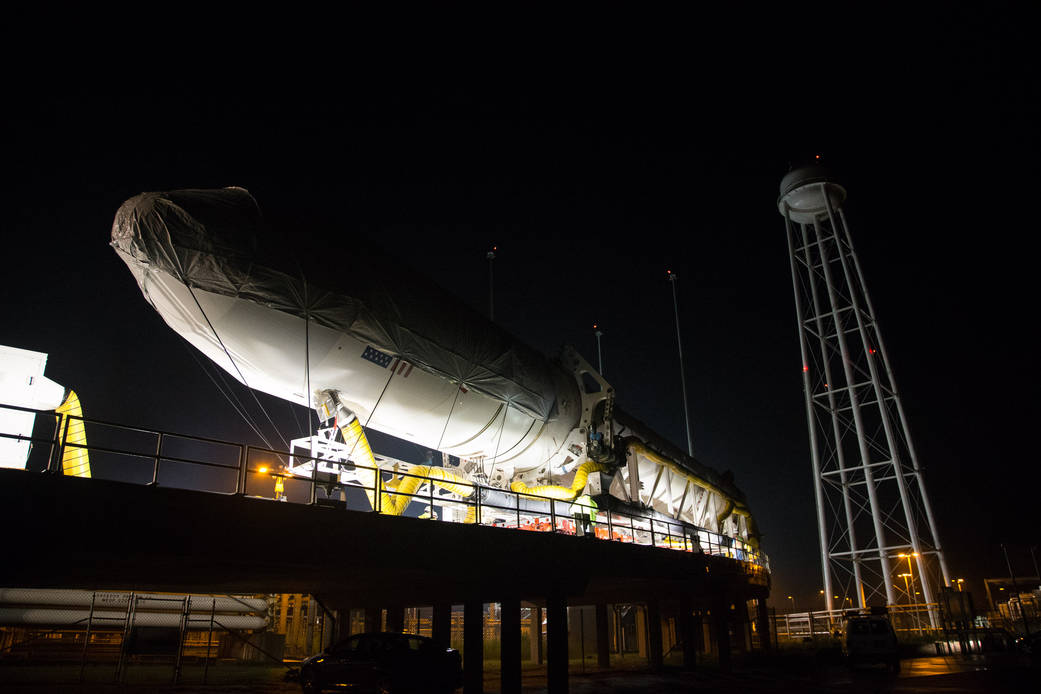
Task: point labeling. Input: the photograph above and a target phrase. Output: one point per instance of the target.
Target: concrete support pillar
(473, 647)
(556, 644)
(688, 635)
(763, 624)
(535, 635)
(737, 627)
(396, 619)
(742, 627)
(343, 623)
(372, 619)
(312, 613)
(510, 645)
(441, 627)
(603, 637)
(641, 631)
(654, 642)
(721, 627)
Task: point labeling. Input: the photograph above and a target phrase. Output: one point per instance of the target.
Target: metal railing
(906, 619)
(160, 458)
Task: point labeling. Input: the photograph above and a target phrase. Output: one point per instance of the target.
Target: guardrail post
(155, 459)
(313, 496)
(377, 501)
(553, 515)
(55, 442)
(86, 638)
(59, 463)
(186, 611)
(240, 484)
(517, 497)
(209, 639)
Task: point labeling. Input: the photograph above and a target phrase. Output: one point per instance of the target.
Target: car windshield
(369, 644)
(872, 626)
(348, 646)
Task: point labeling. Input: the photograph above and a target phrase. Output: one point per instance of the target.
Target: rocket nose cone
(152, 227)
(124, 226)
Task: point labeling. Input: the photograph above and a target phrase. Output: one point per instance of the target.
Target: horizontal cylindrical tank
(41, 616)
(118, 600)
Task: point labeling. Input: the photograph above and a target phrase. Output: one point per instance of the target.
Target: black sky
(593, 177)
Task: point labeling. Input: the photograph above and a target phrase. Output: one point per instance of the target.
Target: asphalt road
(933, 674)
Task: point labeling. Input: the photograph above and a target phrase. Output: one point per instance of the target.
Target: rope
(450, 412)
(239, 371)
(498, 442)
(229, 395)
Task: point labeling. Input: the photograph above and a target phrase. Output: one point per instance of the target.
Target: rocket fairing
(443, 376)
(405, 356)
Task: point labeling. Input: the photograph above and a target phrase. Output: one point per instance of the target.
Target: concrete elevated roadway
(66, 532)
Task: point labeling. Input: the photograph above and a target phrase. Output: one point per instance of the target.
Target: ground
(766, 674)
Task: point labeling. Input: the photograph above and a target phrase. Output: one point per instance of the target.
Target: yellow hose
(74, 460)
(354, 437)
(395, 503)
(396, 499)
(724, 514)
(558, 492)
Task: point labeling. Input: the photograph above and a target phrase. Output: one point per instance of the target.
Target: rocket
(345, 330)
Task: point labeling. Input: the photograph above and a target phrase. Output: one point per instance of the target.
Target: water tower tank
(802, 191)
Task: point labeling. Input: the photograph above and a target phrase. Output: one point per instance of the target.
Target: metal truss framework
(872, 509)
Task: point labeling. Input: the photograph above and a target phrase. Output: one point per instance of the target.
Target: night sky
(593, 180)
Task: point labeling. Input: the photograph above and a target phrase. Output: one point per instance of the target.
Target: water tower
(875, 522)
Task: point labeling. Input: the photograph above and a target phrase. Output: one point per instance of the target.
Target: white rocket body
(402, 355)
(280, 353)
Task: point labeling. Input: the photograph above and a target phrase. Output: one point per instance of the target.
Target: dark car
(383, 663)
(870, 639)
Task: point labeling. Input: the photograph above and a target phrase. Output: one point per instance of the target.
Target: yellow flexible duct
(354, 437)
(396, 498)
(724, 514)
(74, 460)
(395, 503)
(753, 529)
(558, 492)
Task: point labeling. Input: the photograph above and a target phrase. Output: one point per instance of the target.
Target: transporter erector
(369, 346)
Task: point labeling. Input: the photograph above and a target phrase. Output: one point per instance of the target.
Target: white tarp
(215, 240)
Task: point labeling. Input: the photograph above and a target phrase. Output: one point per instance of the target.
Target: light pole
(907, 588)
(599, 355)
(824, 599)
(491, 282)
(910, 568)
(683, 378)
(1033, 556)
(792, 598)
(1015, 587)
(913, 600)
